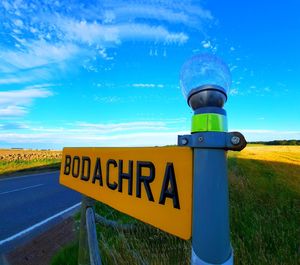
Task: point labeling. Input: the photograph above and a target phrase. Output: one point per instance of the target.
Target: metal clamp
(234, 141)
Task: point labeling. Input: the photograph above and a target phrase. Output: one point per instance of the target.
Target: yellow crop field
(279, 153)
(13, 160)
(21, 154)
(283, 162)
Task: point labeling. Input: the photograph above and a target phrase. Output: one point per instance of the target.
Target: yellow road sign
(152, 184)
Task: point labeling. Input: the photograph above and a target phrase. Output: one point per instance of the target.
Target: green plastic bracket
(209, 122)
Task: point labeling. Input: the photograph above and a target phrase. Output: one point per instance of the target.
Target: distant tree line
(278, 142)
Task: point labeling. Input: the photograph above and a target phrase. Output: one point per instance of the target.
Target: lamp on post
(205, 81)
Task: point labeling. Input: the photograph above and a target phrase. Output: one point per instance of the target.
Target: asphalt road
(29, 204)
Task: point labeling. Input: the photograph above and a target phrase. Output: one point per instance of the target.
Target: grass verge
(19, 167)
(265, 213)
(67, 256)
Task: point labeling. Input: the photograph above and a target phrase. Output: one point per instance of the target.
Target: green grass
(146, 245)
(67, 256)
(265, 212)
(264, 218)
(16, 167)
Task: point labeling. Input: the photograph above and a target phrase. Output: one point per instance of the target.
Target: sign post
(204, 80)
(182, 190)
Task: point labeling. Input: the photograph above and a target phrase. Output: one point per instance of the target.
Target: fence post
(83, 248)
(92, 237)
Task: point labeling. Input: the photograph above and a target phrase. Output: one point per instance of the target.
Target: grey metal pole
(210, 236)
(205, 80)
(210, 227)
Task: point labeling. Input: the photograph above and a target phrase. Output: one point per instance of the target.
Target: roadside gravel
(41, 249)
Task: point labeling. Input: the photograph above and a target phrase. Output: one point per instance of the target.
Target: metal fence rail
(85, 236)
(88, 243)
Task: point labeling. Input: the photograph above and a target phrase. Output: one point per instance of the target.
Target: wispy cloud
(135, 133)
(45, 33)
(62, 137)
(171, 12)
(64, 140)
(145, 85)
(108, 99)
(123, 127)
(13, 126)
(38, 53)
(233, 91)
(12, 111)
(268, 135)
(104, 35)
(14, 80)
(206, 44)
(24, 96)
(16, 102)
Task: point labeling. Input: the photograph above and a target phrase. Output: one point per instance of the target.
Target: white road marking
(26, 188)
(26, 176)
(27, 230)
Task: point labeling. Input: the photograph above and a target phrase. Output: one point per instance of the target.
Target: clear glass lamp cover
(202, 70)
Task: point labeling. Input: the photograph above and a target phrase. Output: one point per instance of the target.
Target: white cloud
(38, 53)
(23, 97)
(12, 111)
(206, 44)
(150, 11)
(81, 139)
(16, 102)
(14, 80)
(233, 67)
(43, 34)
(269, 131)
(269, 135)
(6, 5)
(135, 133)
(13, 126)
(90, 33)
(233, 91)
(122, 127)
(84, 136)
(33, 75)
(18, 23)
(109, 99)
(94, 33)
(145, 85)
(104, 55)
(109, 17)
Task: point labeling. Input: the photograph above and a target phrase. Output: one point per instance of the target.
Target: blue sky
(106, 73)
